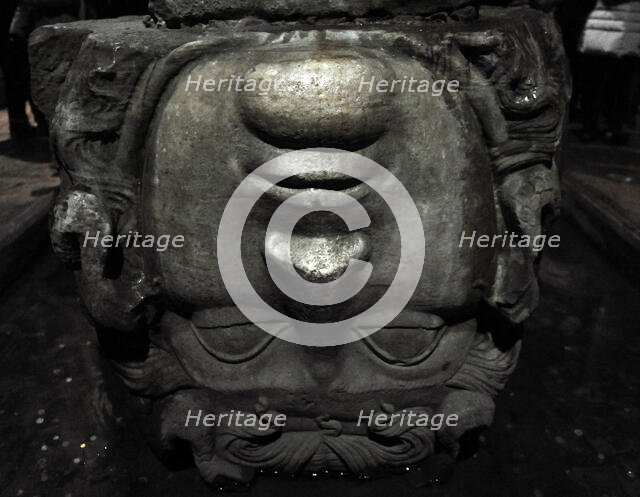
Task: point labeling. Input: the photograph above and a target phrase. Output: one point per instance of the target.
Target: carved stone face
(479, 159)
(206, 143)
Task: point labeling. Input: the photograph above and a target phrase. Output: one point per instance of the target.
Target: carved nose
(316, 101)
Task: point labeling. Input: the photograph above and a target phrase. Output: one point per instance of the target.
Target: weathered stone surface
(140, 151)
(189, 12)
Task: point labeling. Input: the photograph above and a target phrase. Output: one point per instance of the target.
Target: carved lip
(322, 171)
(318, 181)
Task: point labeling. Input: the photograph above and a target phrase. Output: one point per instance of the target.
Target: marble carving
(139, 153)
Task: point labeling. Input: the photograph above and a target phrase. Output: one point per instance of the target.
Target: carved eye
(405, 346)
(229, 342)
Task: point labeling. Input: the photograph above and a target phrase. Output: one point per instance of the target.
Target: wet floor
(567, 425)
